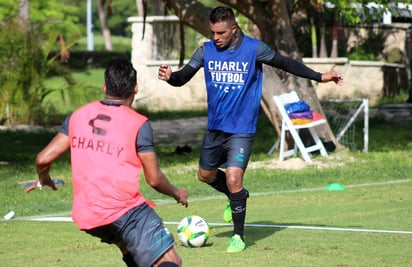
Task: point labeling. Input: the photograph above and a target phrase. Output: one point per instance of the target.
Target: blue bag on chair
(299, 106)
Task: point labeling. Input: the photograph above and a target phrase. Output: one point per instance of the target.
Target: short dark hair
(222, 13)
(120, 78)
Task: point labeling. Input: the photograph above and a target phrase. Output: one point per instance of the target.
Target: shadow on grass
(255, 231)
(259, 230)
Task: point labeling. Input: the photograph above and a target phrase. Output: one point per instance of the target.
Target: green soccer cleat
(236, 244)
(227, 214)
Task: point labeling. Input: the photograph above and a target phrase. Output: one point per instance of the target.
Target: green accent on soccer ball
(196, 235)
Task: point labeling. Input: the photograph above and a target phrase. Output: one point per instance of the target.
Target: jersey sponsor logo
(239, 209)
(228, 72)
(241, 156)
(81, 142)
(97, 145)
(99, 130)
(229, 66)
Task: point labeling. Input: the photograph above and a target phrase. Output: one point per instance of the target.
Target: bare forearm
(162, 185)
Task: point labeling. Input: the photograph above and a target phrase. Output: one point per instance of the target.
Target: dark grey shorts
(221, 149)
(142, 231)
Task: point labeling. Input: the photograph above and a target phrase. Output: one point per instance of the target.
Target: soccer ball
(193, 231)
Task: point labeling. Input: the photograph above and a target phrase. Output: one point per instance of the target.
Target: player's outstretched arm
(158, 181)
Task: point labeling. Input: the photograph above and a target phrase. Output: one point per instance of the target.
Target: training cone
(335, 187)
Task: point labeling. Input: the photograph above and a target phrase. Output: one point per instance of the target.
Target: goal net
(344, 116)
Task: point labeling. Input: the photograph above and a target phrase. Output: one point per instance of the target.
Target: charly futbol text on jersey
(228, 71)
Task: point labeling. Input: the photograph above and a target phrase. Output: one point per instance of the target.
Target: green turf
(377, 197)
(379, 207)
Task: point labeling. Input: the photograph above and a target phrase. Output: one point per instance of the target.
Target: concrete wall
(161, 34)
(363, 79)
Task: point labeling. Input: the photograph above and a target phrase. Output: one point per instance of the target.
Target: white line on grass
(323, 188)
(54, 218)
(306, 227)
(311, 227)
(301, 190)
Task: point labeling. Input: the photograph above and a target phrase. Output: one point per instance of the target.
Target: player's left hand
(40, 185)
(332, 76)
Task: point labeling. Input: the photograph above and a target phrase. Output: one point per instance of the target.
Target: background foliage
(28, 54)
(26, 66)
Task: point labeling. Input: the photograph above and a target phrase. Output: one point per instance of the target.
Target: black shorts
(221, 149)
(143, 233)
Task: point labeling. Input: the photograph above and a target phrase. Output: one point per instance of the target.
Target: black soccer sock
(168, 264)
(238, 206)
(128, 259)
(220, 183)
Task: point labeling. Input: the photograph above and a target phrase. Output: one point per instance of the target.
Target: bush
(25, 62)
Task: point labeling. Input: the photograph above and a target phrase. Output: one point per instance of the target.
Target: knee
(206, 176)
(170, 261)
(234, 184)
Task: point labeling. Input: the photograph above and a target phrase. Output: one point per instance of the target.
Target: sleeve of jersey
(295, 67)
(64, 128)
(180, 77)
(144, 142)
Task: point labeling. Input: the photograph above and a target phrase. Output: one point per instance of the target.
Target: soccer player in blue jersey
(232, 65)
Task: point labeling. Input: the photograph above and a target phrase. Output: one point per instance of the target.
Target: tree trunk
(314, 39)
(158, 7)
(140, 8)
(105, 29)
(24, 10)
(24, 13)
(334, 52)
(272, 19)
(323, 50)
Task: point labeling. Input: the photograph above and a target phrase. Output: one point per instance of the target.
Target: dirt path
(179, 132)
(190, 132)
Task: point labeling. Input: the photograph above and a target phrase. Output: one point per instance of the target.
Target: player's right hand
(39, 185)
(181, 196)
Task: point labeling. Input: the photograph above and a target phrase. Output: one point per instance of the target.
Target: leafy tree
(316, 17)
(48, 15)
(26, 65)
(103, 15)
(321, 14)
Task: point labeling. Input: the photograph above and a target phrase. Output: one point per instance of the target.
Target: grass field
(292, 220)
(379, 207)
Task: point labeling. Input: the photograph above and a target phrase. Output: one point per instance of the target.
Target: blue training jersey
(234, 87)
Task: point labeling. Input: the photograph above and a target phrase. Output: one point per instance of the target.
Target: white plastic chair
(287, 125)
